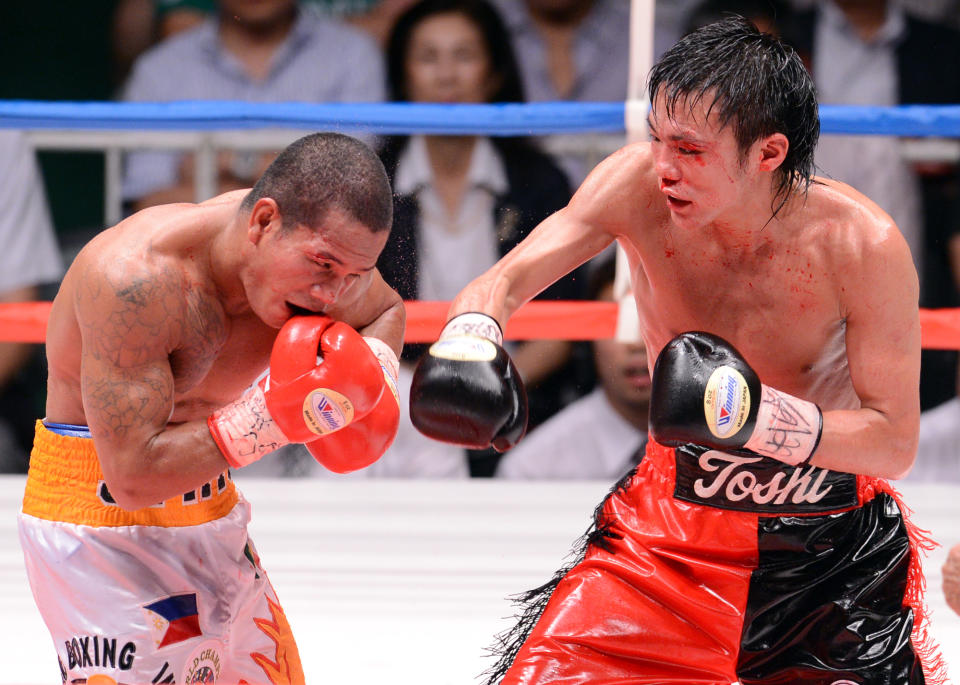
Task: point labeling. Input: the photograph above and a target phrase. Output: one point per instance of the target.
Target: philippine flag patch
(173, 619)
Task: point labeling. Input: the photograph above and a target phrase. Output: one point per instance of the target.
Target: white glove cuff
(473, 324)
(244, 430)
(788, 429)
(388, 362)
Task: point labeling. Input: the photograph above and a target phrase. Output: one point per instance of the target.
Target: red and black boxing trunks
(711, 567)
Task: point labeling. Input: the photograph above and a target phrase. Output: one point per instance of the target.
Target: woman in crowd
(461, 201)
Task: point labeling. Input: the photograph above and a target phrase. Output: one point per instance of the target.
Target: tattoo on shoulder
(132, 315)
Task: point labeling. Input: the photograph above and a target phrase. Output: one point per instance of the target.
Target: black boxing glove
(466, 390)
(705, 393)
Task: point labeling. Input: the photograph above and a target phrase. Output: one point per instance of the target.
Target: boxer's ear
(772, 151)
(264, 218)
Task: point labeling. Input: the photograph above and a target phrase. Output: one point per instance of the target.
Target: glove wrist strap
(787, 429)
(244, 430)
(474, 324)
(388, 362)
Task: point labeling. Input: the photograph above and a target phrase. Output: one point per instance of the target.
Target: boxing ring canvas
(407, 581)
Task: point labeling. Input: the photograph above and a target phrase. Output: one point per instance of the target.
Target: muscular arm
(883, 351)
(376, 312)
(129, 325)
(598, 212)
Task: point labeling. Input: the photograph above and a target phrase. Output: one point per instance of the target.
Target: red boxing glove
(365, 440)
(315, 386)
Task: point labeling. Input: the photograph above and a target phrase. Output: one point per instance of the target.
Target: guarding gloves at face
(322, 377)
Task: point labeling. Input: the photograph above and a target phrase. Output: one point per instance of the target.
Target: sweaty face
(702, 173)
(447, 62)
(306, 270)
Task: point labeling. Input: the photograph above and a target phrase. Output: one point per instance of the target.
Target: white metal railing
(590, 148)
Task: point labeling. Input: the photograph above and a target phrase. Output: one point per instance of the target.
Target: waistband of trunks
(742, 481)
(65, 483)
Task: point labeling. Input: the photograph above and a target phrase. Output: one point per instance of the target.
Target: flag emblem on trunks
(173, 619)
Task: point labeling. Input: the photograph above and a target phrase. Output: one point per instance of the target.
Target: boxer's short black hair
(325, 170)
(758, 85)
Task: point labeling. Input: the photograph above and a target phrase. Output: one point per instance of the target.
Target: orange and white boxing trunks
(716, 568)
(172, 593)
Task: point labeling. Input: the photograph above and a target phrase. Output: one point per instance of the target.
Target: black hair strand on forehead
(756, 84)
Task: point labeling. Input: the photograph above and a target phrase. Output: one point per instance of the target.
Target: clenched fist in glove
(365, 440)
(322, 377)
(466, 389)
(705, 393)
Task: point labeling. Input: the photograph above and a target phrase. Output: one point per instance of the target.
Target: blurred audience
(29, 258)
(462, 202)
(766, 15)
(253, 51)
(571, 50)
(938, 451)
(872, 52)
(601, 435)
(951, 579)
(376, 17)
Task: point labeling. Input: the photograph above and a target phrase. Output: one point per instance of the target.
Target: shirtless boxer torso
(160, 325)
(707, 564)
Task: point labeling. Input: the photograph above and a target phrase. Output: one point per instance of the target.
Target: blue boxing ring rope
(543, 118)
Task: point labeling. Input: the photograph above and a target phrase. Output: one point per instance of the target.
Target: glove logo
(326, 411)
(726, 402)
(464, 349)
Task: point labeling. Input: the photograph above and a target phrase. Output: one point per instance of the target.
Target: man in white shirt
(251, 52)
(29, 257)
(601, 435)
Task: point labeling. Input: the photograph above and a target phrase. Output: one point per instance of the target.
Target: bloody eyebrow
(675, 138)
(327, 257)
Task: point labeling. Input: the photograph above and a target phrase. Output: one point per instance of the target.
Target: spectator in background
(601, 435)
(265, 51)
(462, 202)
(938, 450)
(29, 258)
(871, 52)
(376, 17)
(951, 579)
(766, 15)
(571, 50)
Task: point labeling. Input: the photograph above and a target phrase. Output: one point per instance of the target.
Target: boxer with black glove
(466, 389)
(704, 392)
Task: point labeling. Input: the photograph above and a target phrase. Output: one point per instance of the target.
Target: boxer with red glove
(466, 389)
(361, 443)
(323, 376)
(705, 393)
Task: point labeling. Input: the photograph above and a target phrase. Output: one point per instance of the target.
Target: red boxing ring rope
(559, 320)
